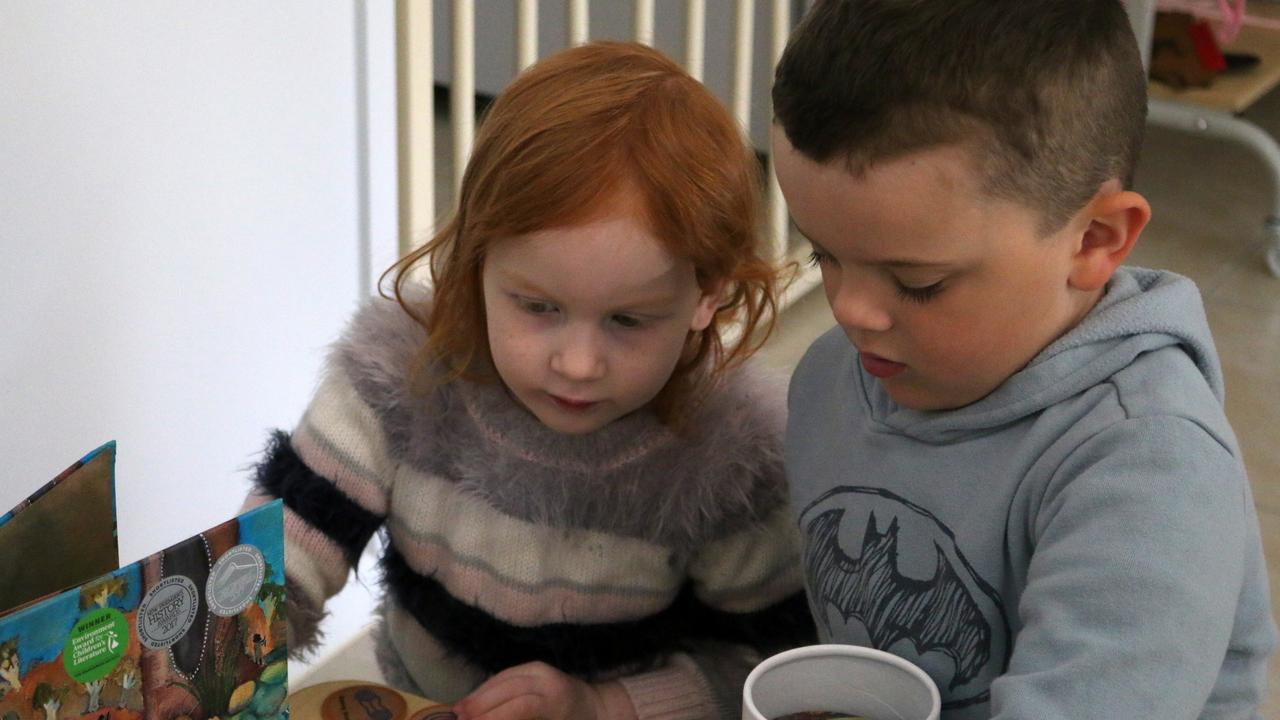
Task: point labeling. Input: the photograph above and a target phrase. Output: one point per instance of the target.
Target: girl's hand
(537, 690)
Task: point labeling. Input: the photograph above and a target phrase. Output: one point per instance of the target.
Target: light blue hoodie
(1081, 543)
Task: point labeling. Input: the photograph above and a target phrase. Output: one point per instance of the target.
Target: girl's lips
(573, 405)
(879, 367)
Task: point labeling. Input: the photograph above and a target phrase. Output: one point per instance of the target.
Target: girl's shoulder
(730, 454)
(747, 403)
(382, 344)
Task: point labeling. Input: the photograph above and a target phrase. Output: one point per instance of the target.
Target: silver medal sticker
(234, 580)
(167, 612)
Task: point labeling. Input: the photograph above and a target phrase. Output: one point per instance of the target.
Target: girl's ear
(705, 312)
(1116, 219)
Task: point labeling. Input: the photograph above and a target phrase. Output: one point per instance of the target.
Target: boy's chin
(924, 400)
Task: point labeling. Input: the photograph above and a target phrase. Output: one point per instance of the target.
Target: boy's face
(586, 323)
(945, 290)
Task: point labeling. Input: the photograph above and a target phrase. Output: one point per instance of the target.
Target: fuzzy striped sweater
(667, 561)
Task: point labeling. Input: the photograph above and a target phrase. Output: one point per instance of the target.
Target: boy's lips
(880, 367)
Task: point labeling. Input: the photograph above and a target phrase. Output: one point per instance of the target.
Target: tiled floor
(1209, 199)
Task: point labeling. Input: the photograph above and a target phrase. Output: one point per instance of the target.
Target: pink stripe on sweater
(327, 554)
(521, 605)
(670, 693)
(364, 491)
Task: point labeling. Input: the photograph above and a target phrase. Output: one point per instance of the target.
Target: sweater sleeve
(1139, 588)
(745, 595)
(750, 603)
(332, 473)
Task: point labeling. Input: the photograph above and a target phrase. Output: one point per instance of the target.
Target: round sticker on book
(364, 702)
(234, 580)
(95, 645)
(167, 612)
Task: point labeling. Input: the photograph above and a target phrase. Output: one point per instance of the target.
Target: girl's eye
(627, 321)
(818, 257)
(919, 294)
(537, 307)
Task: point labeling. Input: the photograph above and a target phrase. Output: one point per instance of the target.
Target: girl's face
(587, 323)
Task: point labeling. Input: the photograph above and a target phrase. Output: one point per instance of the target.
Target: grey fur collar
(634, 477)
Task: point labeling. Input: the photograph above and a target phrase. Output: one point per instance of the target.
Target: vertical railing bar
(577, 22)
(779, 227)
(462, 103)
(695, 27)
(363, 199)
(415, 121)
(744, 31)
(644, 21)
(526, 33)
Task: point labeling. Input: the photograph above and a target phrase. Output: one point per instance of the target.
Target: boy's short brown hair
(1051, 93)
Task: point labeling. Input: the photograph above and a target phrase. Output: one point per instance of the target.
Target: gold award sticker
(364, 702)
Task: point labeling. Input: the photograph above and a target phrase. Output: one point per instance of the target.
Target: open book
(196, 630)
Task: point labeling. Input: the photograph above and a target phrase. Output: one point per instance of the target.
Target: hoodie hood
(1141, 311)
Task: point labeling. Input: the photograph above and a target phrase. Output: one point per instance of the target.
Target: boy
(1010, 460)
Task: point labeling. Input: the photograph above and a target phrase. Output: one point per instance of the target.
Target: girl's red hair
(553, 148)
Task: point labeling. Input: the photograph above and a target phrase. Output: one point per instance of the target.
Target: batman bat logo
(927, 606)
(935, 614)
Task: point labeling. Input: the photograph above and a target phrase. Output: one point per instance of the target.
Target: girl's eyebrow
(524, 283)
(651, 303)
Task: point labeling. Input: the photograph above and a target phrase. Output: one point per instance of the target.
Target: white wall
(190, 194)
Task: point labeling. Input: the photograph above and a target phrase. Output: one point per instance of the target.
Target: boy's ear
(1115, 217)
(707, 306)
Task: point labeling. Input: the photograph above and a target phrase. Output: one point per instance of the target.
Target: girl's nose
(580, 356)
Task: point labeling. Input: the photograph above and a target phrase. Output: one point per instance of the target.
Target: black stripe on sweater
(315, 499)
(589, 650)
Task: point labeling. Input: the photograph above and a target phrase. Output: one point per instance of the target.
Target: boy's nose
(855, 307)
(579, 356)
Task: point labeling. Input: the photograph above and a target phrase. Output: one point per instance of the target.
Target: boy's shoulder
(1152, 391)
(1151, 339)
(1165, 385)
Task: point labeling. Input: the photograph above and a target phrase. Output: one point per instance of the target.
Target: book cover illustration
(194, 632)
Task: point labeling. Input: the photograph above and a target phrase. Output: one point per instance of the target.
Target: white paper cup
(841, 678)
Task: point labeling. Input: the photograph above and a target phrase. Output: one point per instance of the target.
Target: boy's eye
(818, 257)
(627, 321)
(919, 294)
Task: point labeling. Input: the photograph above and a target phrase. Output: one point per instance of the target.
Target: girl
(581, 485)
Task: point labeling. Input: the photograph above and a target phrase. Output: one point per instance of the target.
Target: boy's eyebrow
(900, 263)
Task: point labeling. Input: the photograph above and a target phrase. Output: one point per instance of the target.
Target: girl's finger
(495, 691)
(520, 707)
